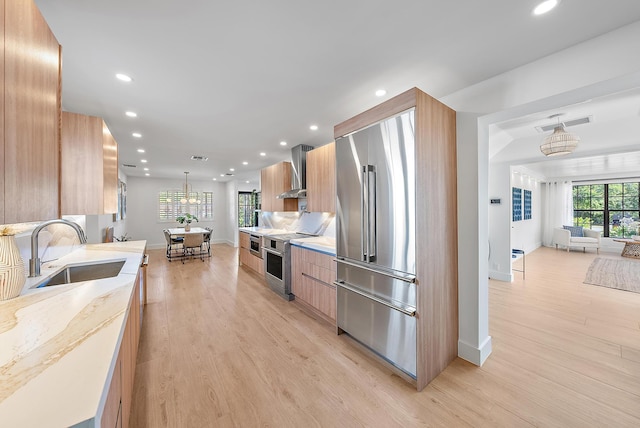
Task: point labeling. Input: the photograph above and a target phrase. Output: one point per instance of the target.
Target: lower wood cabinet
(247, 258)
(117, 408)
(312, 276)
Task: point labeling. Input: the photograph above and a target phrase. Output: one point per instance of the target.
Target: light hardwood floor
(218, 348)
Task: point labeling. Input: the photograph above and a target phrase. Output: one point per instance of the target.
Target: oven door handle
(268, 250)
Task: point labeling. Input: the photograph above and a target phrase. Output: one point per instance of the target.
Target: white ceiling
(609, 144)
(228, 80)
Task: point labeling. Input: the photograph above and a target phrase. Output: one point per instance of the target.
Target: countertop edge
(121, 288)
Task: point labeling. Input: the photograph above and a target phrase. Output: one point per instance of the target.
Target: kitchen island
(61, 345)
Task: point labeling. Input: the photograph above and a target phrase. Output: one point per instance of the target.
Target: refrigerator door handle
(411, 279)
(372, 213)
(364, 213)
(408, 310)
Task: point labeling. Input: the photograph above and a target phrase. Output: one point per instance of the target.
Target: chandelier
(560, 142)
(188, 193)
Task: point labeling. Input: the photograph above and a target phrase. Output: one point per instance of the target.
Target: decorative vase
(12, 274)
(187, 228)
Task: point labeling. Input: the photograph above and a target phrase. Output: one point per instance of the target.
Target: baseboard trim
(500, 276)
(475, 355)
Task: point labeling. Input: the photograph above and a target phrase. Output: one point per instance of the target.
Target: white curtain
(557, 209)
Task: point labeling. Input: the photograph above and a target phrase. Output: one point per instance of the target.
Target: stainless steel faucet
(34, 261)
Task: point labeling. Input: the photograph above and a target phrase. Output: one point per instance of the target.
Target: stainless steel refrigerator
(376, 238)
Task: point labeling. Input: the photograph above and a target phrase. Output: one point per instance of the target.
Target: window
(613, 209)
(247, 214)
(170, 205)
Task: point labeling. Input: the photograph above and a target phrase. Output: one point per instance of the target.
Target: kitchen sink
(84, 272)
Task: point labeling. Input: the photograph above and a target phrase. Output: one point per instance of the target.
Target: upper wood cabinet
(29, 116)
(89, 166)
(274, 180)
(321, 179)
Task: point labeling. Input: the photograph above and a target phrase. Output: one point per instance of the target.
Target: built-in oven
(277, 265)
(256, 246)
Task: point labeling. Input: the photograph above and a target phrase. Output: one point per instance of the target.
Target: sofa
(571, 237)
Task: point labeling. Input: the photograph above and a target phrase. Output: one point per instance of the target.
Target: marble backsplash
(316, 223)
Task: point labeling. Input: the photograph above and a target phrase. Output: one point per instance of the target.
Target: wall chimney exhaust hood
(298, 173)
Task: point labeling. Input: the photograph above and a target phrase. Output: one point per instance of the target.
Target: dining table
(179, 231)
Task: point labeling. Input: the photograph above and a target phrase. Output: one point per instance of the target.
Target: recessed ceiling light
(221, 175)
(545, 7)
(123, 77)
(381, 93)
(131, 114)
(247, 182)
(263, 154)
(232, 169)
(313, 127)
(245, 163)
(283, 143)
(143, 160)
(215, 179)
(137, 135)
(147, 174)
(140, 150)
(146, 169)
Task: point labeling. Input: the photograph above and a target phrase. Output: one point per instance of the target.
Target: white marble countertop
(323, 244)
(58, 344)
(261, 231)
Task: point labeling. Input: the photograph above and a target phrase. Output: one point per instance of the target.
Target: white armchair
(591, 239)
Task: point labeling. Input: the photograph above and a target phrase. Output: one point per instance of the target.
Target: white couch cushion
(584, 240)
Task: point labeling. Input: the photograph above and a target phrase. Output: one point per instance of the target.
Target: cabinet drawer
(244, 240)
(318, 294)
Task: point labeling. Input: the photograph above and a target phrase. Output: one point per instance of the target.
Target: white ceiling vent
(199, 158)
(128, 165)
(566, 123)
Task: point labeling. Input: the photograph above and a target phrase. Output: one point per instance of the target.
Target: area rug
(615, 273)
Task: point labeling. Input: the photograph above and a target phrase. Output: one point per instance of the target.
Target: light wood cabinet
(245, 240)
(112, 413)
(117, 408)
(247, 258)
(30, 133)
(312, 276)
(321, 179)
(89, 166)
(274, 180)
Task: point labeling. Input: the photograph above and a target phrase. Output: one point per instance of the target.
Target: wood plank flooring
(219, 349)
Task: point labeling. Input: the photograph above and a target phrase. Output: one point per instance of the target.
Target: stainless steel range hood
(298, 173)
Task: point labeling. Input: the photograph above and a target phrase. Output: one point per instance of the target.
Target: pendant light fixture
(560, 142)
(188, 197)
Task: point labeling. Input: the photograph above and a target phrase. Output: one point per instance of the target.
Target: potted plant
(186, 218)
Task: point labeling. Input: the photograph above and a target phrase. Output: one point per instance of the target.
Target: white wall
(590, 69)
(500, 222)
(527, 234)
(504, 233)
(142, 205)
